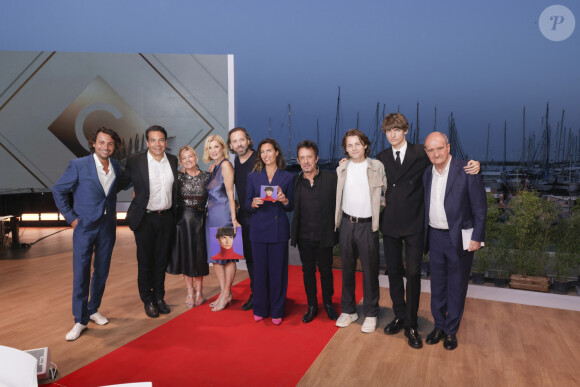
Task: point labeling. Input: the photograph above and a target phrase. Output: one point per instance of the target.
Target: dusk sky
(484, 61)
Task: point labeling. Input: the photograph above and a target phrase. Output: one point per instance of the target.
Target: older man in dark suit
(455, 213)
(151, 216)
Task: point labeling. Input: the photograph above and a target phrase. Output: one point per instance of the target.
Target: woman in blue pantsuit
(270, 230)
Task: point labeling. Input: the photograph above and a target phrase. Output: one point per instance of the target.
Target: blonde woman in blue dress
(221, 212)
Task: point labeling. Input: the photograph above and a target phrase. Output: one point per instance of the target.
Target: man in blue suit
(455, 212)
(92, 181)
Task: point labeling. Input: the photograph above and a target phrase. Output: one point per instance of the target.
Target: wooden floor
(500, 344)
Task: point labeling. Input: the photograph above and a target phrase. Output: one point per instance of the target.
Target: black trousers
(153, 238)
(312, 254)
(245, 222)
(393, 248)
(359, 240)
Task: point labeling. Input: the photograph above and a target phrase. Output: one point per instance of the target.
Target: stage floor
(500, 343)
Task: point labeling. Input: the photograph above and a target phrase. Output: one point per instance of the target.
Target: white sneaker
(75, 332)
(346, 319)
(369, 325)
(99, 319)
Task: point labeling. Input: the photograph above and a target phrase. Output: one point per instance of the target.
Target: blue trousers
(449, 280)
(98, 238)
(270, 278)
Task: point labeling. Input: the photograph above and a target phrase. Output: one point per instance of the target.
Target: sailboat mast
(383, 136)
(547, 142)
(487, 146)
(563, 130)
(377, 130)
(504, 145)
(435, 120)
(524, 137)
(335, 134)
(289, 132)
(317, 134)
(417, 131)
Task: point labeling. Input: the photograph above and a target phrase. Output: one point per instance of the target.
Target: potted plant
(501, 259)
(566, 245)
(480, 265)
(527, 230)
(562, 265)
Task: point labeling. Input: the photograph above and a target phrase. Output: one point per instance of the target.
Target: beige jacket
(377, 185)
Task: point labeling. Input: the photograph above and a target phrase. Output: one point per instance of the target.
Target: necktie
(398, 159)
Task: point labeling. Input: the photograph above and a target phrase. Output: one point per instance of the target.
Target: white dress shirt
(401, 151)
(106, 179)
(356, 196)
(437, 216)
(160, 183)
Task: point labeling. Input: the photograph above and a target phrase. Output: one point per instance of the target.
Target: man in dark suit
(92, 180)
(313, 227)
(151, 216)
(455, 213)
(402, 220)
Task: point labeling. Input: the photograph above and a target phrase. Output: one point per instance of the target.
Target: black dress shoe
(450, 342)
(394, 326)
(162, 306)
(414, 338)
(310, 314)
(248, 305)
(151, 309)
(435, 336)
(330, 311)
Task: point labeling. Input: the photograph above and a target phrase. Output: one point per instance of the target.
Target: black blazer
(326, 182)
(137, 169)
(404, 211)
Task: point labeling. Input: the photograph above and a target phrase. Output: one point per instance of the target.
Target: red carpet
(201, 347)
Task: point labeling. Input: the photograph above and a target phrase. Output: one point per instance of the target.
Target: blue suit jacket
(465, 204)
(269, 222)
(90, 201)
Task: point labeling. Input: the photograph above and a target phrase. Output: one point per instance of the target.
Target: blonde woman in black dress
(189, 256)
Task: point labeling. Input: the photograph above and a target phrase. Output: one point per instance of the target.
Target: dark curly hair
(105, 130)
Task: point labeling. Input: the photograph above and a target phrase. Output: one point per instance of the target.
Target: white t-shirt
(356, 196)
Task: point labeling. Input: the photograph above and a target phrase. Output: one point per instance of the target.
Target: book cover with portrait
(269, 193)
(226, 243)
